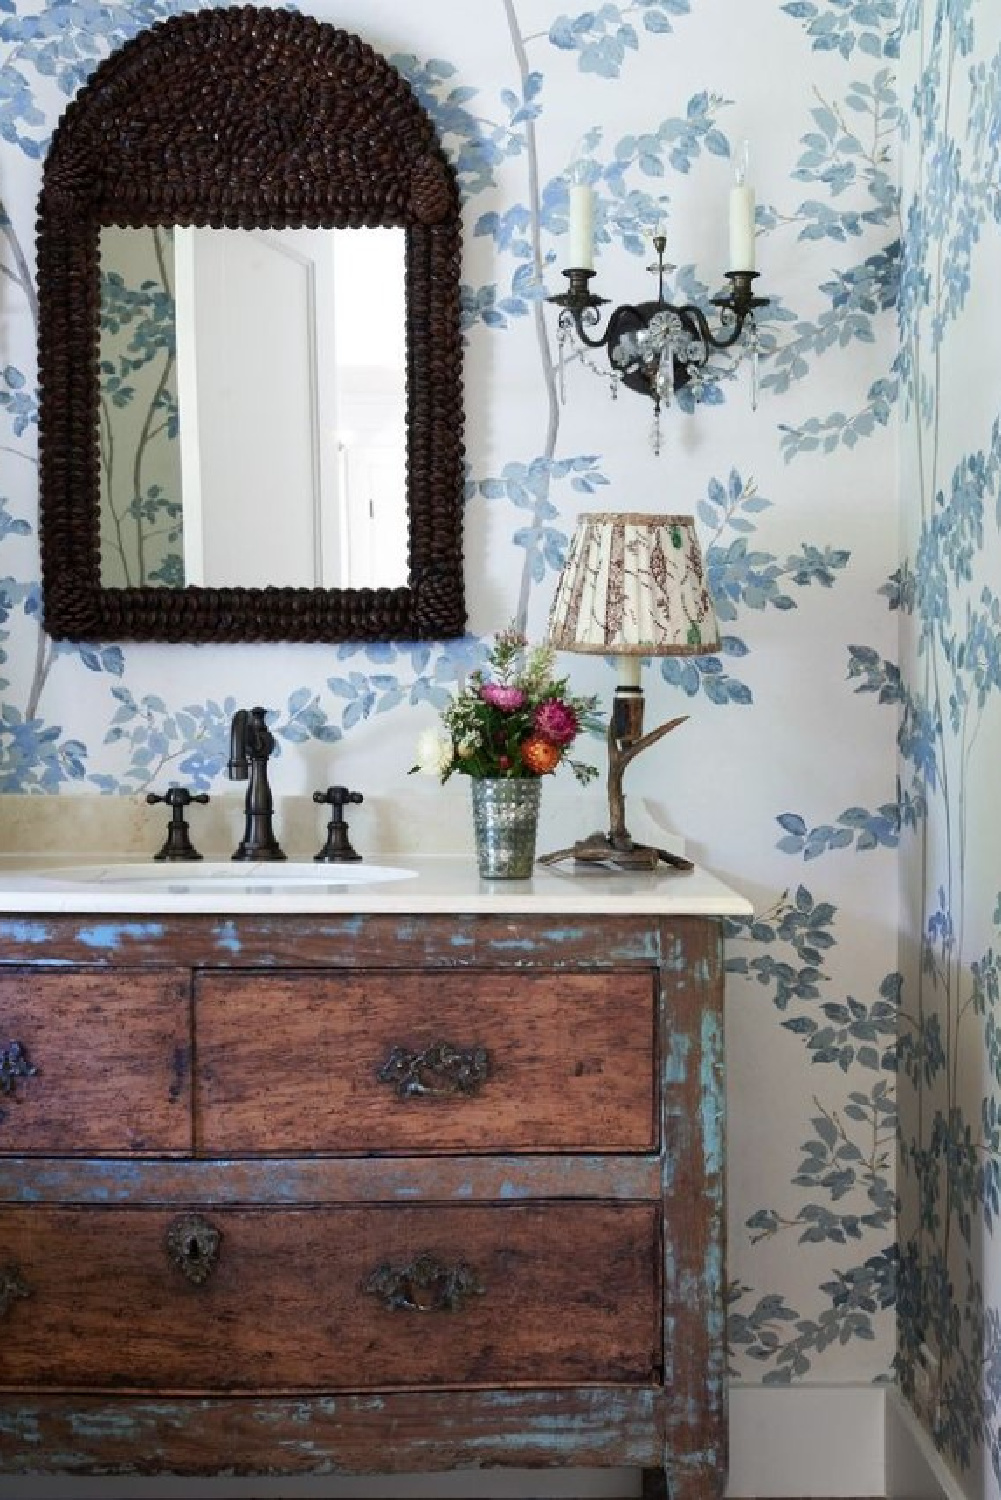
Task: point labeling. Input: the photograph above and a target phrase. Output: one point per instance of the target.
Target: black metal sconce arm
(579, 310)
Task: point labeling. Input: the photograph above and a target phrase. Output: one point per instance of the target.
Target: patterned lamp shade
(633, 585)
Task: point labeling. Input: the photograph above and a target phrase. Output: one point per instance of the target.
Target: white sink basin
(195, 875)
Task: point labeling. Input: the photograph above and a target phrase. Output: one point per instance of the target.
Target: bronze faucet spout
(238, 768)
(250, 746)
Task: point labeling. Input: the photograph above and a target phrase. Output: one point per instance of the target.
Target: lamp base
(622, 854)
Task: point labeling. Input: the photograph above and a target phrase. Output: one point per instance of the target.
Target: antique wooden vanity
(421, 1176)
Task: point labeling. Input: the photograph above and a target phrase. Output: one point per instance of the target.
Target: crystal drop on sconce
(658, 348)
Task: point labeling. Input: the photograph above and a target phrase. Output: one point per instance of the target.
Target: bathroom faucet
(250, 745)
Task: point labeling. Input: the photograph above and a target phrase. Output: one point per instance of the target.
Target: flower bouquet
(507, 728)
(516, 721)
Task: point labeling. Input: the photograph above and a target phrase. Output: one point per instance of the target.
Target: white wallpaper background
(783, 780)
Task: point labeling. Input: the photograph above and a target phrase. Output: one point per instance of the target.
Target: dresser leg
(686, 1485)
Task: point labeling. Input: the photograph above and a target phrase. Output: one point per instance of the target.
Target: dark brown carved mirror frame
(247, 118)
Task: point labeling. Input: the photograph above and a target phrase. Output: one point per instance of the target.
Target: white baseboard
(915, 1470)
(807, 1440)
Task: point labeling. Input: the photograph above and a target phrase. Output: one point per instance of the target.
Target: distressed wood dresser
(364, 1190)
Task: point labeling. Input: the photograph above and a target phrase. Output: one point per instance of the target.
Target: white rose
(434, 753)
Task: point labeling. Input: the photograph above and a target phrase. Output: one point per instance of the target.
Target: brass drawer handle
(425, 1286)
(441, 1071)
(12, 1287)
(14, 1064)
(193, 1247)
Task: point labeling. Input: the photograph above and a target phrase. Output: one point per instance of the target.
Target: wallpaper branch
(785, 768)
(950, 618)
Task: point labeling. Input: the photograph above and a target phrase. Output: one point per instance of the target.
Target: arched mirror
(249, 344)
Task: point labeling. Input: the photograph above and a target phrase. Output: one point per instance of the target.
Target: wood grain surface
(286, 1307)
(112, 1053)
(289, 1064)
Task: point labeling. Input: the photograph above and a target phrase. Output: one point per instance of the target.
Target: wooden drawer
(301, 1299)
(327, 1063)
(96, 1063)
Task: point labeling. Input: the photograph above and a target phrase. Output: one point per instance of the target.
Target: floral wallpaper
(948, 597)
(783, 778)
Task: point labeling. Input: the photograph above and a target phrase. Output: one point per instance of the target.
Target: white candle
(741, 228)
(581, 227)
(742, 217)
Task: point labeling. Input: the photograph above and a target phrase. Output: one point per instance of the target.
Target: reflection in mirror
(252, 408)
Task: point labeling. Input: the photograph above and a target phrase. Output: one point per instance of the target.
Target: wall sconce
(656, 348)
(632, 586)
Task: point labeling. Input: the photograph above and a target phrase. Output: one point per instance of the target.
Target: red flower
(556, 721)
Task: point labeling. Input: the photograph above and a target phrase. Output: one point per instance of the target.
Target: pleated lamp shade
(634, 585)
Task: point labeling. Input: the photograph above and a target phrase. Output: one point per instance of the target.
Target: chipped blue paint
(347, 926)
(716, 1311)
(563, 934)
(670, 1338)
(461, 940)
(674, 958)
(22, 1425)
(622, 1424)
(108, 1422)
(696, 1464)
(25, 933)
(702, 971)
(288, 1181)
(676, 1062)
(108, 936)
(228, 938)
(712, 1106)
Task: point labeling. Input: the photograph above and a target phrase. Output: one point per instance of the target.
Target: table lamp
(632, 586)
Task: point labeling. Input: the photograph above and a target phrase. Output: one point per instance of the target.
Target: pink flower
(499, 696)
(556, 722)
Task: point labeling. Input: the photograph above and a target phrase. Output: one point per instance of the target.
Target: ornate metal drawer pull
(14, 1064)
(439, 1072)
(425, 1285)
(12, 1288)
(193, 1247)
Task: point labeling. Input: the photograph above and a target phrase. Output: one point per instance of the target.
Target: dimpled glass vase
(505, 822)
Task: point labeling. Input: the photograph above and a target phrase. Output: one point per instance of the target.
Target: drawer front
(95, 1063)
(404, 1062)
(329, 1298)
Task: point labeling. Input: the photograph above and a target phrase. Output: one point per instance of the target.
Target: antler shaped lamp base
(617, 847)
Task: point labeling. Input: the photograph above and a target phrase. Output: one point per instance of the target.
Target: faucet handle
(338, 846)
(177, 845)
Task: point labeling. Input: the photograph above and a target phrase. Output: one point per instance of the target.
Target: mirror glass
(252, 408)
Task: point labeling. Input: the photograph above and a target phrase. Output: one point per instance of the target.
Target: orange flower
(540, 755)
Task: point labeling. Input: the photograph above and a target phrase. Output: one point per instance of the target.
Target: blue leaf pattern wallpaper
(948, 597)
(783, 780)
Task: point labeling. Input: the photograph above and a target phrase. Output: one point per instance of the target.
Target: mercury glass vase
(505, 822)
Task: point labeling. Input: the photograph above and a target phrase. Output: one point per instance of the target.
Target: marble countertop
(449, 884)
